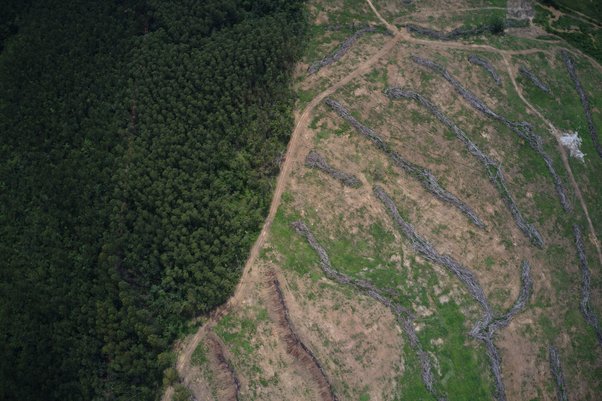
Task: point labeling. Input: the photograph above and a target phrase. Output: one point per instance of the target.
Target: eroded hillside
(429, 236)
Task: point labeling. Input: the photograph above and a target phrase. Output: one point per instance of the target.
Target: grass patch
(579, 33)
(199, 356)
(412, 387)
(305, 96)
(237, 334)
(464, 370)
(378, 76)
(297, 254)
(182, 393)
(489, 262)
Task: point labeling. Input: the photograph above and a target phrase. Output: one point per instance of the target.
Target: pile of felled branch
(520, 303)
(294, 345)
(556, 369)
(226, 378)
(428, 251)
(570, 65)
(316, 160)
(494, 171)
(426, 178)
(451, 35)
(584, 305)
(485, 328)
(522, 129)
(474, 59)
(340, 51)
(404, 317)
(533, 78)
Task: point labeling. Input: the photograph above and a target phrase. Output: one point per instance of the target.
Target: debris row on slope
(474, 59)
(404, 317)
(451, 35)
(428, 251)
(340, 51)
(351, 27)
(523, 129)
(494, 170)
(316, 160)
(526, 290)
(426, 178)
(533, 78)
(556, 369)
(487, 332)
(570, 65)
(585, 306)
(294, 345)
(485, 328)
(228, 383)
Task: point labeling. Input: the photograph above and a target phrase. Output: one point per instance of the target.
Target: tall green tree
(139, 141)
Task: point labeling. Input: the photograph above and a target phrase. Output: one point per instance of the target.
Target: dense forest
(139, 143)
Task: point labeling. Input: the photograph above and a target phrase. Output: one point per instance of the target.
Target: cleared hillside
(430, 236)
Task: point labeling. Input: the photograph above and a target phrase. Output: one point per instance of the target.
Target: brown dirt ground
(304, 356)
(357, 340)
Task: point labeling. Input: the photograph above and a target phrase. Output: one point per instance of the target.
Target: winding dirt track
(295, 155)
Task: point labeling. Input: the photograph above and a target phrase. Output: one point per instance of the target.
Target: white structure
(572, 142)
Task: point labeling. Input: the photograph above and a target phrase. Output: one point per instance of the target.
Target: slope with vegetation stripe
(139, 141)
(475, 326)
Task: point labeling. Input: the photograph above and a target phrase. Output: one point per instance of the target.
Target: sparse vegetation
(523, 129)
(583, 33)
(493, 169)
(339, 52)
(426, 178)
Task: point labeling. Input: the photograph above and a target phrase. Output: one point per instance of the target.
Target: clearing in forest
(429, 236)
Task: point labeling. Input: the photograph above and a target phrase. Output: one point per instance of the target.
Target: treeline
(139, 142)
(593, 9)
(576, 30)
